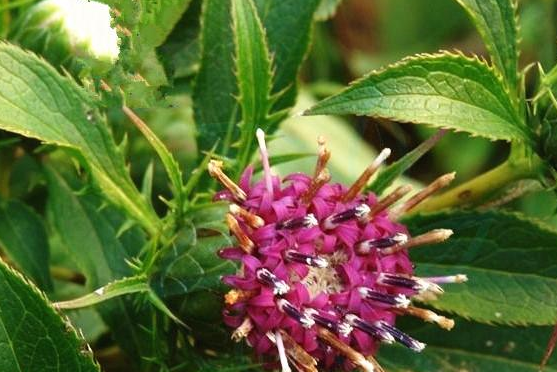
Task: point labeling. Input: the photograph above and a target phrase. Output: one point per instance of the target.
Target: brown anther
(243, 330)
(297, 355)
(215, 170)
(388, 200)
(354, 356)
(316, 183)
(250, 218)
(237, 295)
(433, 187)
(105, 86)
(430, 237)
(323, 156)
(427, 316)
(362, 181)
(243, 240)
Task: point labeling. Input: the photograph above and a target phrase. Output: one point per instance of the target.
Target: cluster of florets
(324, 268)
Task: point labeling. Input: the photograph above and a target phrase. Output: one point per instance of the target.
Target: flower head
(325, 269)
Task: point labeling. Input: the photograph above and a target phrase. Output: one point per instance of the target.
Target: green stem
(486, 185)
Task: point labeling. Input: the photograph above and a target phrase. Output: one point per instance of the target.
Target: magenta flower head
(324, 268)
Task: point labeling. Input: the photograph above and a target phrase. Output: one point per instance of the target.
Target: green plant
(99, 234)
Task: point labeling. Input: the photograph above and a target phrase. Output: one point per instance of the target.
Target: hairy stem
(486, 185)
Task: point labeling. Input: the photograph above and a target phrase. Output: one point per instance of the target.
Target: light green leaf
(442, 90)
(37, 102)
(495, 20)
(23, 238)
(327, 9)
(253, 70)
(393, 171)
(215, 90)
(471, 347)
(91, 237)
(33, 337)
(509, 262)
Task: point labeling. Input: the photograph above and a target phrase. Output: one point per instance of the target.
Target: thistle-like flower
(325, 269)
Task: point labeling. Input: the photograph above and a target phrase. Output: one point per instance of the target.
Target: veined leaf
(470, 346)
(509, 261)
(441, 90)
(23, 238)
(214, 95)
(288, 25)
(37, 102)
(495, 20)
(253, 70)
(91, 237)
(33, 337)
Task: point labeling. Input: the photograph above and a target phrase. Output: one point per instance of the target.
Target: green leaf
(23, 238)
(508, 259)
(37, 102)
(253, 70)
(472, 347)
(215, 91)
(288, 25)
(393, 171)
(495, 20)
(134, 284)
(33, 337)
(442, 90)
(327, 9)
(92, 238)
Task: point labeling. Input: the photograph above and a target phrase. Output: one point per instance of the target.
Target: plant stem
(485, 185)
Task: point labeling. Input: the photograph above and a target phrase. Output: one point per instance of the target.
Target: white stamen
(282, 353)
(383, 155)
(265, 160)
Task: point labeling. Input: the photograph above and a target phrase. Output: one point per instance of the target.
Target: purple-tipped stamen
(314, 261)
(401, 337)
(417, 284)
(372, 329)
(398, 300)
(334, 220)
(332, 325)
(364, 247)
(307, 222)
(459, 278)
(303, 318)
(265, 276)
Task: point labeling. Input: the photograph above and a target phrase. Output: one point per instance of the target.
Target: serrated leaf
(495, 20)
(92, 238)
(288, 25)
(393, 171)
(33, 337)
(253, 71)
(508, 259)
(37, 102)
(327, 9)
(441, 90)
(23, 238)
(471, 347)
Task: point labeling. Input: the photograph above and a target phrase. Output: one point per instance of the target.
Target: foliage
(106, 205)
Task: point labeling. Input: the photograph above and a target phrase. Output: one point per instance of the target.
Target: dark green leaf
(24, 240)
(393, 171)
(288, 25)
(215, 91)
(509, 262)
(37, 102)
(496, 23)
(471, 347)
(253, 70)
(442, 90)
(91, 237)
(33, 337)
